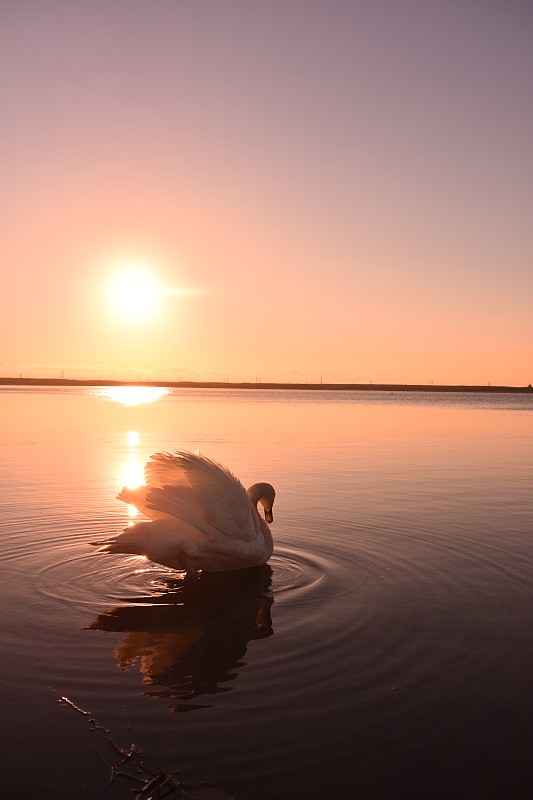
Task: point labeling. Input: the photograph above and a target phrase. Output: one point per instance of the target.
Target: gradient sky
(337, 189)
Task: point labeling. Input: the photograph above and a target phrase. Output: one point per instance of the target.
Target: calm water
(386, 653)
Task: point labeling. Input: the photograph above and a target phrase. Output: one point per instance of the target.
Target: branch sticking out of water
(65, 701)
(152, 782)
(95, 726)
(148, 782)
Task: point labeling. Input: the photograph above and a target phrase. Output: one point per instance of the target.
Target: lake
(386, 652)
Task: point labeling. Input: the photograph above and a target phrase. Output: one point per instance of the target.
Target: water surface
(385, 652)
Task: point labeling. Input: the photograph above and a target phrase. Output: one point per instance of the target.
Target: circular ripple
(92, 579)
(314, 574)
(296, 573)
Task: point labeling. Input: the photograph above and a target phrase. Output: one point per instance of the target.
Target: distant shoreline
(308, 387)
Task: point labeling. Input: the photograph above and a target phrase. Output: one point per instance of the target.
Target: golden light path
(133, 470)
(133, 395)
(133, 438)
(133, 476)
(133, 473)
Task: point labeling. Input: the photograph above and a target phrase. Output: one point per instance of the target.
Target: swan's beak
(268, 515)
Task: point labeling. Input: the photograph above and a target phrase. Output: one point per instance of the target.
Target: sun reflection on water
(132, 473)
(133, 438)
(132, 395)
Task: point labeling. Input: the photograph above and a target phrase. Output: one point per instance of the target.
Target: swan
(202, 517)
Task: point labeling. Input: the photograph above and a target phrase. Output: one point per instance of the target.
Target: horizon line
(294, 386)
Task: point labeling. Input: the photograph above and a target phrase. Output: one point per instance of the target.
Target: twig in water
(152, 782)
(155, 784)
(67, 702)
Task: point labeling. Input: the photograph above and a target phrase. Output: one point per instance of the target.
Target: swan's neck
(263, 493)
(256, 492)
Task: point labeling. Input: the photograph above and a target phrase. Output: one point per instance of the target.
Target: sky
(292, 190)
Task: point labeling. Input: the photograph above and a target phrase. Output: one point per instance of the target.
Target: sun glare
(134, 295)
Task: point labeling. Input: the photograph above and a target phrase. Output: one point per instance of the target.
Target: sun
(134, 294)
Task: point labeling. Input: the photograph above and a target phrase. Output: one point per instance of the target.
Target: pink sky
(336, 189)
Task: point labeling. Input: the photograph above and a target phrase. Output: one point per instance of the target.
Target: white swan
(202, 517)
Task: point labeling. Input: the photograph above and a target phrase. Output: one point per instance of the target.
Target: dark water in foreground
(386, 652)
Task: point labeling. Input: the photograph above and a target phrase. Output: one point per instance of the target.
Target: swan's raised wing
(201, 492)
(169, 469)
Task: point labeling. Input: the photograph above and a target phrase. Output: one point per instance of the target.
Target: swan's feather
(169, 542)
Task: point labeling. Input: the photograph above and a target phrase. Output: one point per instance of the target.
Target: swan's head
(263, 493)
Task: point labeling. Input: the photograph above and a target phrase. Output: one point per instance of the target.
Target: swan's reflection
(193, 638)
